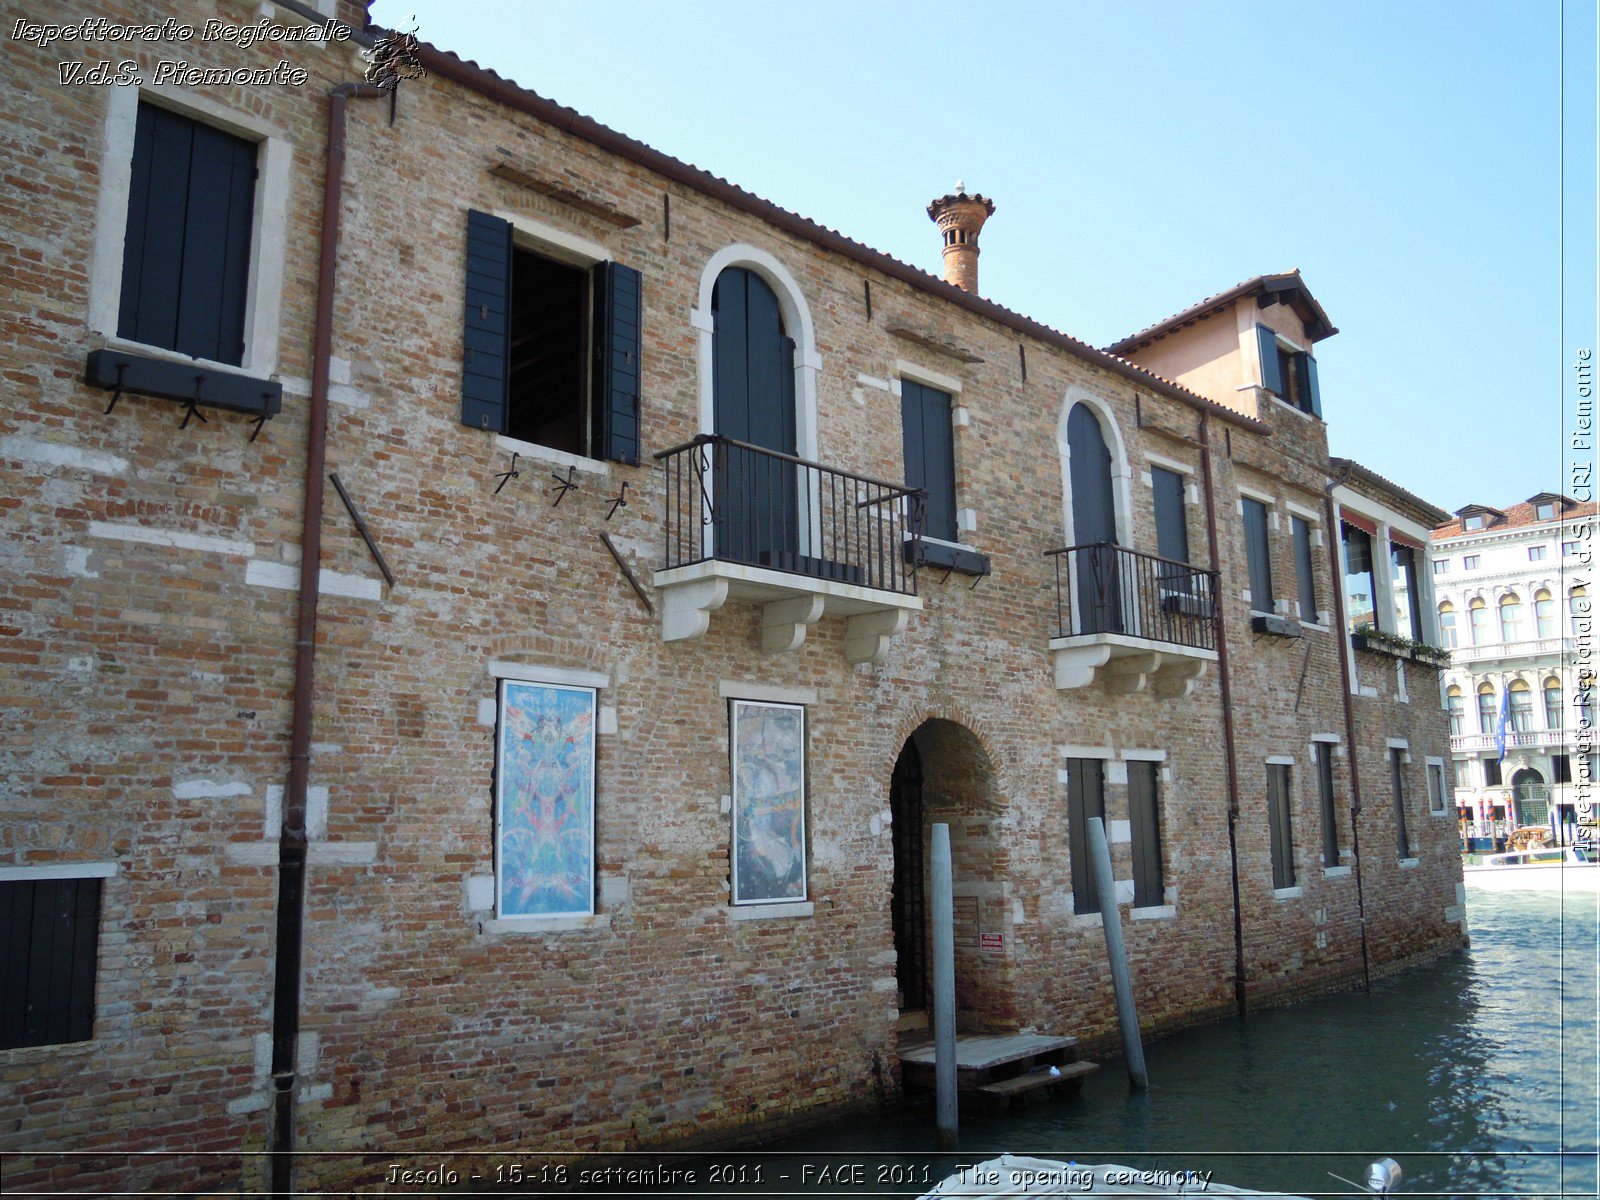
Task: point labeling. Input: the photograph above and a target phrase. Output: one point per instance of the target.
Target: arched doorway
(943, 774)
(1532, 797)
(1094, 523)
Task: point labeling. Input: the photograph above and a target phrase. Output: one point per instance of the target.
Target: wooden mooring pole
(1132, 1047)
(944, 990)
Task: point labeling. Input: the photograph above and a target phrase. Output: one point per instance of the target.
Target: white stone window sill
(549, 454)
(546, 924)
(1410, 862)
(1302, 414)
(1335, 872)
(55, 1050)
(1087, 920)
(1288, 893)
(1156, 912)
(1304, 624)
(128, 346)
(1437, 812)
(769, 912)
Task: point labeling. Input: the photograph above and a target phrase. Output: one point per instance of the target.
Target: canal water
(1476, 1072)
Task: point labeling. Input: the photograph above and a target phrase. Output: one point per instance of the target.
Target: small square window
(1469, 562)
(1441, 566)
(49, 942)
(1538, 553)
(1569, 549)
(1475, 522)
(1544, 511)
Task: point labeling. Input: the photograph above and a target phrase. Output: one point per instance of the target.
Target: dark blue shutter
(1310, 396)
(486, 332)
(1086, 797)
(1258, 555)
(186, 251)
(49, 930)
(1271, 372)
(1303, 569)
(930, 454)
(1144, 822)
(1172, 527)
(617, 346)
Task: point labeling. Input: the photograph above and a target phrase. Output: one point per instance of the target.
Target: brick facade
(149, 616)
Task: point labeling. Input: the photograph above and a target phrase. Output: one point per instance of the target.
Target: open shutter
(930, 454)
(1271, 372)
(617, 344)
(484, 359)
(1309, 396)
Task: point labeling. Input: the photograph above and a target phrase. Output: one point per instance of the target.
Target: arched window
(1577, 606)
(1455, 703)
(1552, 704)
(1447, 624)
(752, 390)
(1094, 524)
(1510, 618)
(1544, 614)
(1521, 706)
(1478, 619)
(1488, 718)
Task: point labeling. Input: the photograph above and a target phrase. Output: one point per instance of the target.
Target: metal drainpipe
(292, 836)
(1229, 750)
(1341, 627)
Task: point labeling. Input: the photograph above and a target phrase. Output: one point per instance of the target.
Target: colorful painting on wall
(769, 802)
(544, 801)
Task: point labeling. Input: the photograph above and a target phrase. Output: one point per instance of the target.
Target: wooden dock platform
(1000, 1066)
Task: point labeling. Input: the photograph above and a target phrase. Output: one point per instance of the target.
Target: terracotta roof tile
(1517, 516)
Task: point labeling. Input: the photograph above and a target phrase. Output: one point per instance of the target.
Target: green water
(1476, 1072)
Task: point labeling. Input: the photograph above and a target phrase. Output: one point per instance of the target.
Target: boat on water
(1554, 869)
(1018, 1175)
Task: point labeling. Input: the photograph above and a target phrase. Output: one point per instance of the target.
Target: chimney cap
(959, 197)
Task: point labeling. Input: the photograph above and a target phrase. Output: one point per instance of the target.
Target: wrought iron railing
(734, 502)
(1104, 588)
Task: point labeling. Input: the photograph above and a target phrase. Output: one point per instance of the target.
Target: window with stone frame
(1280, 825)
(49, 945)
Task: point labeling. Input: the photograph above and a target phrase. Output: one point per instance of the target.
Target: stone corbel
(1128, 674)
(1076, 665)
(1177, 676)
(686, 608)
(866, 635)
(784, 622)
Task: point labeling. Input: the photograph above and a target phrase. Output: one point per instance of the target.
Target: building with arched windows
(1519, 709)
(562, 775)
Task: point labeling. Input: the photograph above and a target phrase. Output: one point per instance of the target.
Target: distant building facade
(1512, 602)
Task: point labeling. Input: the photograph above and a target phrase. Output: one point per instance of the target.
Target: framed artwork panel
(769, 802)
(544, 801)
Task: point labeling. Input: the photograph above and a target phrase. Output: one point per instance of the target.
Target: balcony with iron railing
(799, 538)
(1132, 620)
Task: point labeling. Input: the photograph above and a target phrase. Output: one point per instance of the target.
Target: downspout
(292, 836)
(1341, 629)
(1229, 750)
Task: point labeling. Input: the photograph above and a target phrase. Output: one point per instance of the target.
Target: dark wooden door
(752, 392)
(1094, 521)
(907, 900)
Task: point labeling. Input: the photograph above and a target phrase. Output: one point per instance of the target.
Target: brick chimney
(960, 218)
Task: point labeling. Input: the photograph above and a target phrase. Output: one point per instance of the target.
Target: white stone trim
(797, 324)
(67, 870)
(1408, 863)
(1266, 498)
(274, 158)
(206, 789)
(1171, 464)
(559, 458)
(1145, 755)
(1121, 473)
(1288, 893)
(58, 454)
(1335, 872)
(286, 577)
(552, 241)
(177, 539)
(573, 924)
(918, 373)
(534, 673)
(872, 381)
(768, 912)
(1071, 751)
(733, 689)
(1331, 738)
(1308, 515)
(1280, 760)
(1159, 912)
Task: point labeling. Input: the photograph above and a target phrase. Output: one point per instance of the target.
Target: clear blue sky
(1406, 157)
